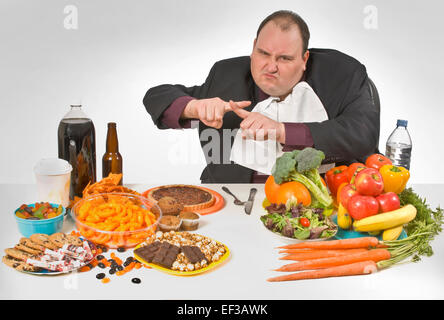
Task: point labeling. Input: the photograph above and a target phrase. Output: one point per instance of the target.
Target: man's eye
(286, 58)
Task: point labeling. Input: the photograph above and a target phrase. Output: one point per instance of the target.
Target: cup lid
(52, 167)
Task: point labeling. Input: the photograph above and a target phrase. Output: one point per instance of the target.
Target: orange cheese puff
(138, 265)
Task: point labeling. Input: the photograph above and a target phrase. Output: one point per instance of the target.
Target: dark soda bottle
(112, 161)
(77, 145)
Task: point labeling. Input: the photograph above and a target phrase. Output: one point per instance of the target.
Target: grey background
(121, 48)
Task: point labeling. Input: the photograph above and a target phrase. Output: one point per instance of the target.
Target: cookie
(18, 265)
(43, 240)
(24, 248)
(18, 254)
(60, 239)
(30, 244)
(76, 241)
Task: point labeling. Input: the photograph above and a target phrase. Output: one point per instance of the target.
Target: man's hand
(257, 126)
(210, 111)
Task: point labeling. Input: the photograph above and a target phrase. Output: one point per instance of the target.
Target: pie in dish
(191, 197)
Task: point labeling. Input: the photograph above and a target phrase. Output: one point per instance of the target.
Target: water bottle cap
(401, 123)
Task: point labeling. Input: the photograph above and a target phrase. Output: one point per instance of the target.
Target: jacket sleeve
(353, 133)
(159, 98)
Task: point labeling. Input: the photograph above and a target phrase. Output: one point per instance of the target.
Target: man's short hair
(285, 19)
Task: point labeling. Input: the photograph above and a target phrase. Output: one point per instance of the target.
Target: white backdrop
(118, 49)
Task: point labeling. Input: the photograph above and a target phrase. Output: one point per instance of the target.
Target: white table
(243, 276)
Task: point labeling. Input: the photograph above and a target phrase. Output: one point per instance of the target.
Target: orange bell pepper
(395, 178)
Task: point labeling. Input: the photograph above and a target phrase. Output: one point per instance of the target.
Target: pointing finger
(238, 110)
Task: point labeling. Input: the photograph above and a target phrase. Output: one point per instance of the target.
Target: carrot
(317, 254)
(373, 255)
(357, 268)
(364, 242)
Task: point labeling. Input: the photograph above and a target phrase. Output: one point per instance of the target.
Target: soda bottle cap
(401, 123)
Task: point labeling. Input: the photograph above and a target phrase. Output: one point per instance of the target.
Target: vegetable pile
(367, 197)
(359, 256)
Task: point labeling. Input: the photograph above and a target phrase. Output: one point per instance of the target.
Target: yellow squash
(344, 219)
(392, 233)
(386, 220)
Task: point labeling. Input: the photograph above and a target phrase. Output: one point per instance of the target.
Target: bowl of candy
(116, 219)
(39, 217)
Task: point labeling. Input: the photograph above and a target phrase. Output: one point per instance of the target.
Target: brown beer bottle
(112, 161)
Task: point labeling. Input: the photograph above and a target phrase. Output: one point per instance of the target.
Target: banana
(344, 219)
(392, 233)
(386, 220)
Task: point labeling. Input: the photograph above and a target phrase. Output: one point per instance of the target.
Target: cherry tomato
(304, 222)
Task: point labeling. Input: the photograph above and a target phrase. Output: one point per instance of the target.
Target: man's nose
(272, 66)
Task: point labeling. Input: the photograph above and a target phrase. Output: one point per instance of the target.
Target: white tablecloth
(243, 276)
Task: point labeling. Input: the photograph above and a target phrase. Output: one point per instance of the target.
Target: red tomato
(369, 182)
(376, 161)
(304, 222)
(353, 168)
(346, 193)
(388, 202)
(360, 207)
(271, 188)
(293, 188)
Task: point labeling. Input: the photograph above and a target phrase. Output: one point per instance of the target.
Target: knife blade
(249, 203)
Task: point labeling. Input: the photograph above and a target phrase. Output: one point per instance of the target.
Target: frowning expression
(277, 60)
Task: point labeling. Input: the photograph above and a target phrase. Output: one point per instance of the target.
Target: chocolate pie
(191, 197)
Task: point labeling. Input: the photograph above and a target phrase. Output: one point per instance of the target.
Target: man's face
(277, 63)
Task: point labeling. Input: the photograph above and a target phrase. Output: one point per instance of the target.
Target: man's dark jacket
(341, 83)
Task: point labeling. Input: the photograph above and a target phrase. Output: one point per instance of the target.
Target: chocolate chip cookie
(18, 264)
(60, 239)
(43, 240)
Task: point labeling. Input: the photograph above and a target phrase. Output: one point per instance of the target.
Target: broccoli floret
(302, 166)
(308, 159)
(284, 166)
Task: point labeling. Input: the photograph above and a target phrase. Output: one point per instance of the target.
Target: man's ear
(305, 58)
(254, 45)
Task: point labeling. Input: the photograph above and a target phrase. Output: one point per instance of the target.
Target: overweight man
(282, 97)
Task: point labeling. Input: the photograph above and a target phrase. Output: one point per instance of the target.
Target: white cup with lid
(53, 177)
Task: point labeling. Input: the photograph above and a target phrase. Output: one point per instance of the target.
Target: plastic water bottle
(399, 145)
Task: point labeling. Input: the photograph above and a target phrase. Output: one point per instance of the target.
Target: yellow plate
(212, 265)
